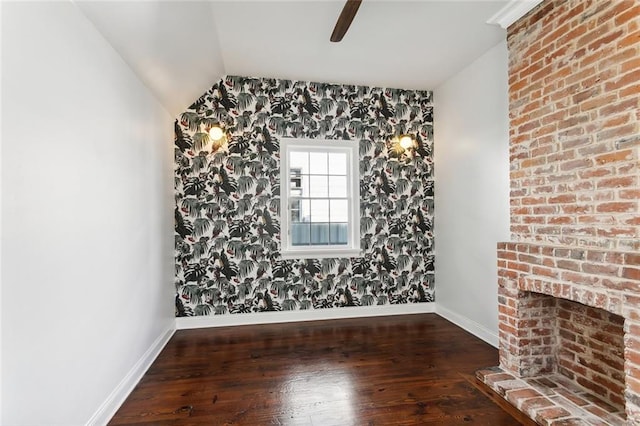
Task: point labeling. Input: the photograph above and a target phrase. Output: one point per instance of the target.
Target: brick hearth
(552, 399)
(569, 314)
(569, 281)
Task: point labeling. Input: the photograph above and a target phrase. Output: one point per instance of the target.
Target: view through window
(320, 198)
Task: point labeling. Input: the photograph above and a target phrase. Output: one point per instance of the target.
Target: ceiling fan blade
(345, 19)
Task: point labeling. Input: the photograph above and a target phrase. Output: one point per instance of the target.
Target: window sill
(320, 253)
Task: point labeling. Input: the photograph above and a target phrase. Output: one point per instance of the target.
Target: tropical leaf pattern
(227, 218)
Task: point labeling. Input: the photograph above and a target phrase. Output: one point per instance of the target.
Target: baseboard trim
(185, 323)
(113, 402)
(469, 325)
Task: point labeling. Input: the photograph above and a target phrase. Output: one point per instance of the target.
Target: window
(320, 198)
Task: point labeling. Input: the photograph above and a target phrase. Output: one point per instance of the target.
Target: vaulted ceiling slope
(171, 45)
(180, 48)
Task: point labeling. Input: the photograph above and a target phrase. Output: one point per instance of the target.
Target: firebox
(564, 337)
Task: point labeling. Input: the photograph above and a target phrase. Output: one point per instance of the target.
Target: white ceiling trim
(513, 11)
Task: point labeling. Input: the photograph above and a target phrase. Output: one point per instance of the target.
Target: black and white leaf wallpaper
(227, 214)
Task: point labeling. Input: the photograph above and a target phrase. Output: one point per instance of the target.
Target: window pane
(299, 161)
(299, 186)
(319, 196)
(318, 163)
(300, 210)
(319, 210)
(319, 233)
(337, 186)
(338, 233)
(339, 211)
(300, 234)
(318, 186)
(337, 163)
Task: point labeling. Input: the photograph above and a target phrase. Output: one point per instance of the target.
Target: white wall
(87, 280)
(471, 133)
(0, 225)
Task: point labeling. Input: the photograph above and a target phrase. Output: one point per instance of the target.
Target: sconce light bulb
(406, 141)
(216, 133)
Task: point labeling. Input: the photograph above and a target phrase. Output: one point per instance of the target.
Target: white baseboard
(253, 318)
(469, 325)
(106, 411)
(113, 402)
(109, 407)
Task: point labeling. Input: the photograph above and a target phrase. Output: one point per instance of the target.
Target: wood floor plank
(400, 370)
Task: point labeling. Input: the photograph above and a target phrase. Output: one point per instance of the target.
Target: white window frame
(352, 249)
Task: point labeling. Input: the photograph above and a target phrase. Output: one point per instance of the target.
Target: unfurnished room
(307, 212)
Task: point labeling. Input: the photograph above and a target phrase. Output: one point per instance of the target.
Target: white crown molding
(512, 11)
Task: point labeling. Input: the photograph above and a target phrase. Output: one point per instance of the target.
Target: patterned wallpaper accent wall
(227, 215)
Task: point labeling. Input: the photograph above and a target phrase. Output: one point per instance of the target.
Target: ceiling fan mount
(344, 20)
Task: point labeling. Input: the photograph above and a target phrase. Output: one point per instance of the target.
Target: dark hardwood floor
(400, 370)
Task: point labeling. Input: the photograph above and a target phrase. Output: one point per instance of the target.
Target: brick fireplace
(569, 279)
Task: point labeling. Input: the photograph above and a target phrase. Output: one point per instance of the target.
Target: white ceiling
(180, 48)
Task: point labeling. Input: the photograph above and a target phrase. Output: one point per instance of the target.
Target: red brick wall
(574, 105)
(591, 349)
(574, 90)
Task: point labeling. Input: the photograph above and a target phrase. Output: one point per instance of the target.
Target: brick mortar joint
(548, 245)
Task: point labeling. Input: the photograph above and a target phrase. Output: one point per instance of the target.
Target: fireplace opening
(590, 350)
(570, 361)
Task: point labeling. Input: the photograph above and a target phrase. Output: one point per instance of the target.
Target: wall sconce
(402, 144)
(406, 141)
(216, 133)
(218, 137)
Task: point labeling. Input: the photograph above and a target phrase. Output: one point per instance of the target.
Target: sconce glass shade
(216, 133)
(406, 141)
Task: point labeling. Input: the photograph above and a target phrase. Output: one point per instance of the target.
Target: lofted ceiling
(180, 48)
